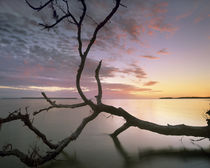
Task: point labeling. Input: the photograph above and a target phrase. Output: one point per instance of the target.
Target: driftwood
(35, 158)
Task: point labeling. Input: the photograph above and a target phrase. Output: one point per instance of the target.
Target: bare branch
(123, 5)
(44, 109)
(46, 26)
(54, 105)
(60, 106)
(48, 100)
(31, 161)
(80, 27)
(119, 130)
(92, 19)
(99, 96)
(100, 25)
(83, 56)
(17, 115)
(175, 130)
(40, 7)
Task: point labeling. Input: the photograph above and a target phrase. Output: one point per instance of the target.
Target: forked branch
(35, 159)
(25, 118)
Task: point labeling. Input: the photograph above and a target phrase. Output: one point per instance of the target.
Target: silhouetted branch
(46, 26)
(99, 96)
(119, 130)
(100, 25)
(54, 105)
(40, 7)
(39, 160)
(92, 40)
(17, 115)
(177, 130)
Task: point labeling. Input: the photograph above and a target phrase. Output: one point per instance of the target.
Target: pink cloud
(150, 83)
(163, 52)
(150, 33)
(119, 90)
(158, 24)
(150, 57)
(160, 8)
(184, 15)
(138, 72)
(198, 19)
(130, 51)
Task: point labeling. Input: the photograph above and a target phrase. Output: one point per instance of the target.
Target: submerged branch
(119, 130)
(174, 130)
(37, 159)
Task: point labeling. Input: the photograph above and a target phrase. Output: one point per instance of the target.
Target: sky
(150, 49)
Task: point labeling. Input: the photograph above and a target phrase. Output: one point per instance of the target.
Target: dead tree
(35, 159)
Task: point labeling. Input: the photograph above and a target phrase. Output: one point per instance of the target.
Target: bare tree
(35, 159)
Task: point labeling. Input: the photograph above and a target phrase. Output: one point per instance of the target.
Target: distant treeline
(184, 97)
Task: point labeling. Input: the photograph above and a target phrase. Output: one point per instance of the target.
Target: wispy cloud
(184, 15)
(163, 52)
(198, 19)
(150, 57)
(40, 88)
(150, 83)
(119, 90)
(159, 25)
(134, 70)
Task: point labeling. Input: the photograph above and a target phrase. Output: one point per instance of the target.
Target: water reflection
(147, 154)
(67, 161)
(161, 157)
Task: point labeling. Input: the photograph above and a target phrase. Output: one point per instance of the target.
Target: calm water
(94, 148)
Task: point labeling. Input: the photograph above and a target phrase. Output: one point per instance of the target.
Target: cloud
(119, 90)
(38, 88)
(34, 57)
(184, 15)
(160, 8)
(150, 57)
(134, 70)
(159, 25)
(122, 87)
(198, 19)
(163, 52)
(150, 83)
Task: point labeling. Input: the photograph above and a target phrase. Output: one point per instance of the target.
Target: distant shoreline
(184, 98)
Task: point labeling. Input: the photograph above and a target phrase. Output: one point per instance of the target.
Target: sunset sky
(150, 49)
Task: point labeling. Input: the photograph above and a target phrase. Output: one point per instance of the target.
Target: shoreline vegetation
(184, 98)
